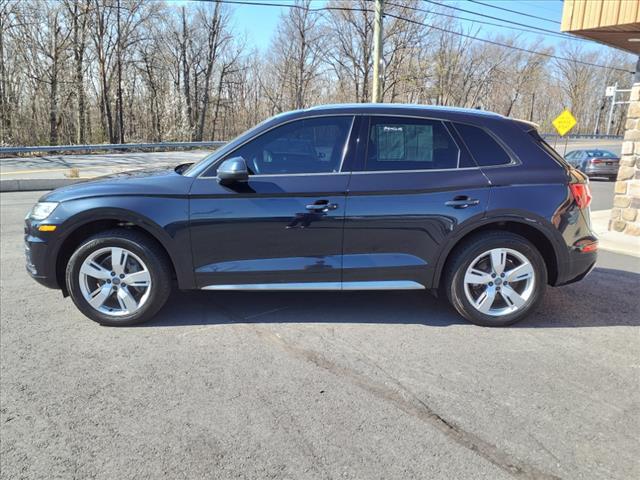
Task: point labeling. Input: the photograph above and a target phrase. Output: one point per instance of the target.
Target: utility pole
(533, 100)
(376, 94)
(613, 103)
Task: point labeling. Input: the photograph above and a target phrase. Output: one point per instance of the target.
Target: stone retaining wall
(625, 215)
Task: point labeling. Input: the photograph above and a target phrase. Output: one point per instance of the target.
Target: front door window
(314, 145)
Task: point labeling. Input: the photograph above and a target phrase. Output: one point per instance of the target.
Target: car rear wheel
(495, 278)
(118, 278)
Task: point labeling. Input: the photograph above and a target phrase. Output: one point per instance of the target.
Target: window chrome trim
(344, 152)
(424, 170)
(320, 286)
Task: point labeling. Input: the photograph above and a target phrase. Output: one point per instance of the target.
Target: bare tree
(133, 70)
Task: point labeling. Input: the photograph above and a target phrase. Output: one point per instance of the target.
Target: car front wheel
(118, 278)
(495, 278)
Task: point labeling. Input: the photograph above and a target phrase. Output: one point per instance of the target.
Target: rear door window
(396, 143)
(483, 147)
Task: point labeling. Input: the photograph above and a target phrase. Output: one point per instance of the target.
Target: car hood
(165, 181)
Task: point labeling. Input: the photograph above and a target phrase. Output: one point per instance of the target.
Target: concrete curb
(31, 184)
(611, 241)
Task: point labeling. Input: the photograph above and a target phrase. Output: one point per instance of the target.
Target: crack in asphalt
(418, 409)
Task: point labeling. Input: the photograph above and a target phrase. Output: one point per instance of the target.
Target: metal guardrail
(179, 145)
(584, 136)
(109, 146)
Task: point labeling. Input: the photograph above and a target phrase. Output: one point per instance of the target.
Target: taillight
(594, 161)
(581, 194)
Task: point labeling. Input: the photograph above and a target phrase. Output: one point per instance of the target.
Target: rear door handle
(322, 206)
(462, 202)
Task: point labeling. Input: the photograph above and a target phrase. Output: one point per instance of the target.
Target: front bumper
(38, 249)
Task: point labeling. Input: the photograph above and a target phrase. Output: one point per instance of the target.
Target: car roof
(451, 113)
(367, 108)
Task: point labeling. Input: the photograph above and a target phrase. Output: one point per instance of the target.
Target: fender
(173, 236)
(529, 219)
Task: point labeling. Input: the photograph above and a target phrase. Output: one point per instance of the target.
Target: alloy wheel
(115, 281)
(499, 282)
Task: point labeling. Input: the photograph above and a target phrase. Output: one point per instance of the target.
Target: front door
(283, 228)
(413, 185)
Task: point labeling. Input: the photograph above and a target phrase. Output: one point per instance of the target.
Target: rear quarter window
(549, 149)
(483, 147)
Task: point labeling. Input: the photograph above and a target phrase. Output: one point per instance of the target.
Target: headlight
(42, 210)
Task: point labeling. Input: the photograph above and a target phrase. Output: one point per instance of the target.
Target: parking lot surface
(386, 385)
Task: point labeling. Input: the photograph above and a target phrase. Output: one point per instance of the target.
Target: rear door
(283, 228)
(412, 186)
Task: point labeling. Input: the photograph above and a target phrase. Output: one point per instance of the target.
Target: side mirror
(233, 170)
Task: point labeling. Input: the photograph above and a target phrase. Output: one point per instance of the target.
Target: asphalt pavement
(389, 385)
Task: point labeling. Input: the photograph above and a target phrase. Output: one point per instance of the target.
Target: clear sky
(259, 22)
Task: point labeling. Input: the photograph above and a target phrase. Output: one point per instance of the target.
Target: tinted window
(600, 153)
(313, 145)
(410, 144)
(484, 148)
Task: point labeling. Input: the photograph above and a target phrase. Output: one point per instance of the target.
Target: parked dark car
(595, 163)
(469, 205)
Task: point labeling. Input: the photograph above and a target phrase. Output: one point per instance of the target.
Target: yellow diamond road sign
(564, 122)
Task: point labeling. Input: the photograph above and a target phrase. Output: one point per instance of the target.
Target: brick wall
(625, 215)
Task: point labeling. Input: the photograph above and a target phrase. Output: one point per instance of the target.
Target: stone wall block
(633, 187)
(626, 173)
(633, 229)
(618, 225)
(620, 188)
(629, 214)
(627, 160)
(621, 201)
(632, 135)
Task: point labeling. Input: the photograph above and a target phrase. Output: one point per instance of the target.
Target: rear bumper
(580, 264)
(604, 170)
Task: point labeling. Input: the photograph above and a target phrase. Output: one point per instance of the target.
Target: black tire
(461, 259)
(149, 252)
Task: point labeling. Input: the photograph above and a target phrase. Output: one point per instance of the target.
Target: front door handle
(462, 202)
(322, 206)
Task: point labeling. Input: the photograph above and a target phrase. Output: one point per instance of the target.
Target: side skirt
(329, 286)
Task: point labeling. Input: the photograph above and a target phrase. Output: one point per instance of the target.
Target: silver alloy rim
(115, 281)
(499, 282)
